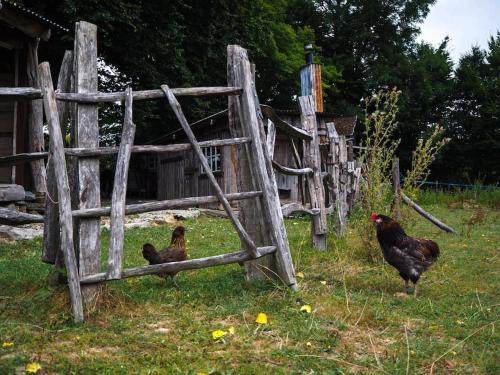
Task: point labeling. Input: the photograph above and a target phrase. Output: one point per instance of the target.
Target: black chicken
(174, 253)
(409, 255)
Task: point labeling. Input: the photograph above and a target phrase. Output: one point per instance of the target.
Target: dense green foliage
(364, 46)
(473, 121)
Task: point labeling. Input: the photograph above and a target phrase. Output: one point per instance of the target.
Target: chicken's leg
(407, 287)
(415, 290)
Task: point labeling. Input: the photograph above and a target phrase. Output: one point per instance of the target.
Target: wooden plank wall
(7, 111)
(180, 174)
(182, 166)
(287, 185)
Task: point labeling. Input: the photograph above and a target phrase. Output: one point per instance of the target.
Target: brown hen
(175, 252)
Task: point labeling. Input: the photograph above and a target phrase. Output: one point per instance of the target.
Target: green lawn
(360, 323)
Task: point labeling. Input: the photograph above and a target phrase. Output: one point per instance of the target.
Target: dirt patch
(363, 342)
(101, 352)
(163, 326)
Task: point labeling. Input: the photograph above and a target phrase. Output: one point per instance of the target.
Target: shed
(21, 122)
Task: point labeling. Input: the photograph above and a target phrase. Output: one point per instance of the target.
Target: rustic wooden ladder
(272, 242)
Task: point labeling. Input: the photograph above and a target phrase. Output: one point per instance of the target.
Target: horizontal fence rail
(147, 94)
(164, 205)
(15, 93)
(22, 158)
(103, 151)
(192, 264)
(30, 93)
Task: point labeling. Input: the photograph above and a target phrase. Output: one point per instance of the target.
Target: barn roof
(30, 13)
(343, 125)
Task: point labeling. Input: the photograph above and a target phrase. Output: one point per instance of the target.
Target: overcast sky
(466, 22)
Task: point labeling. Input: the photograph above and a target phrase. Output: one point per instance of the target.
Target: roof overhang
(29, 22)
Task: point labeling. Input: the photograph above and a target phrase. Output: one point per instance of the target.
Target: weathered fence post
(51, 236)
(63, 192)
(334, 167)
(87, 135)
(117, 219)
(312, 159)
(355, 185)
(396, 183)
(35, 118)
(342, 163)
(249, 209)
(271, 138)
(255, 168)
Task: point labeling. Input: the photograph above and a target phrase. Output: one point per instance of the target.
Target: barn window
(213, 156)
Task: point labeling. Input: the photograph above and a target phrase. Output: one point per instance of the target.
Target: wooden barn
(180, 175)
(21, 122)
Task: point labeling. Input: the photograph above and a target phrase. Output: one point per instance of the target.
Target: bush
(376, 190)
(376, 186)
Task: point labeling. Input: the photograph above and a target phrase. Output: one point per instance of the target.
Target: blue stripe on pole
(305, 81)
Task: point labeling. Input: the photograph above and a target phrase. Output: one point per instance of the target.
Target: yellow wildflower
(33, 367)
(7, 344)
(261, 318)
(306, 308)
(217, 334)
(300, 274)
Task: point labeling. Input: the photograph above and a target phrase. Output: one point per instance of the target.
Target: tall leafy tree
(363, 45)
(474, 119)
(427, 90)
(368, 41)
(183, 43)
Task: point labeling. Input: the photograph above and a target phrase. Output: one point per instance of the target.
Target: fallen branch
(427, 215)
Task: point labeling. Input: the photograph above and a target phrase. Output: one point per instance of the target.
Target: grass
(359, 322)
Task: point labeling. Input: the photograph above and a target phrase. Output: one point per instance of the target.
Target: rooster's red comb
(373, 216)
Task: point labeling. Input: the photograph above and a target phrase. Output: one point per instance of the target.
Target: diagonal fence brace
(174, 104)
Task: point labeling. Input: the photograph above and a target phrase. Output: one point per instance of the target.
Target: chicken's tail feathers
(148, 246)
(431, 247)
(149, 252)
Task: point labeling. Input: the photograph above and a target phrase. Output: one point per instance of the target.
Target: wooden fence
(72, 235)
